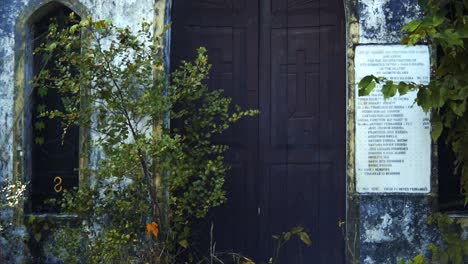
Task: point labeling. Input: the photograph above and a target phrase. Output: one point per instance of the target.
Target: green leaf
(439, 96)
(305, 238)
(74, 28)
(31, 219)
(412, 26)
(39, 126)
(403, 88)
(41, 108)
(37, 237)
(297, 229)
(458, 108)
(452, 38)
(184, 243)
(51, 47)
(437, 127)
(287, 236)
(39, 140)
(437, 20)
(367, 87)
(365, 81)
(424, 99)
(419, 259)
(389, 90)
(100, 24)
(42, 91)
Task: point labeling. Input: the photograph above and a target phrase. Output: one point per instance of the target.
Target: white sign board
(393, 143)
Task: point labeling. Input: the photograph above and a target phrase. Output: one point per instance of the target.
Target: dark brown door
(286, 58)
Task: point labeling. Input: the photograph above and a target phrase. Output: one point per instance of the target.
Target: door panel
(286, 58)
(302, 153)
(229, 31)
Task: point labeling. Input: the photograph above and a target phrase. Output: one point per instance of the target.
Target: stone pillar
(384, 225)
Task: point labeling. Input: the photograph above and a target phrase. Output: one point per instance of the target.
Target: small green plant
(284, 237)
(153, 182)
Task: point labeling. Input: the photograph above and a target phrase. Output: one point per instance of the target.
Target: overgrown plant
(152, 183)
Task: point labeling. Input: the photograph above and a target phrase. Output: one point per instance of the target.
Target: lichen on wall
(381, 20)
(394, 227)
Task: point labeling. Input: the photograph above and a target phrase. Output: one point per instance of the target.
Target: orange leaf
(152, 228)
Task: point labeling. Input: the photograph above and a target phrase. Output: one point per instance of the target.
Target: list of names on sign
(393, 144)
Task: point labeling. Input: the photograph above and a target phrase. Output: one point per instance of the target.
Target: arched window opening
(55, 158)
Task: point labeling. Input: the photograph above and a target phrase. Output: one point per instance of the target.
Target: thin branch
(151, 188)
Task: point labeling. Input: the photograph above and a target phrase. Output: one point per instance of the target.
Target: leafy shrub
(152, 182)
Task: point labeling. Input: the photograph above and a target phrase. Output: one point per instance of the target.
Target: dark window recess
(55, 160)
(450, 198)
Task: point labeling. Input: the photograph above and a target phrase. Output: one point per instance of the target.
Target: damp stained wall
(382, 228)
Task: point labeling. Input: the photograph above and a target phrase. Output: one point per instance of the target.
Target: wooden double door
(287, 59)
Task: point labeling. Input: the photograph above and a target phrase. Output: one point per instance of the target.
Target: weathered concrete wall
(382, 228)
